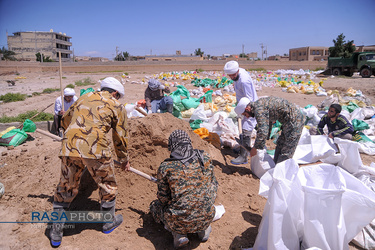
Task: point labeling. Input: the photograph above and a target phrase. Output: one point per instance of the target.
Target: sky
(144, 27)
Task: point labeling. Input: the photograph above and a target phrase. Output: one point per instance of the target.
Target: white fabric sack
(219, 212)
(321, 147)
(350, 157)
(199, 113)
(336, 206)
(280, 227)
(358, 114)
(261, 163)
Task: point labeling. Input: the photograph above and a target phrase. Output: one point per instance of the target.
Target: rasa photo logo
(71, 217)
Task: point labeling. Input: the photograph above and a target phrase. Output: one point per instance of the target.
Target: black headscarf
(179, 143)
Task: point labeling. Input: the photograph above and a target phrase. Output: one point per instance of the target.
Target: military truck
(362, 62)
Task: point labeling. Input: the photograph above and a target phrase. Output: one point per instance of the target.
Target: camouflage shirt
(86, 124)
(267, 111)
(187, 194)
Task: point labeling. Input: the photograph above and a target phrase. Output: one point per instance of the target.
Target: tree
(342, 48)
(7, 54)
(45, 59)
(124, 56)
(198, 52)
(243, 55)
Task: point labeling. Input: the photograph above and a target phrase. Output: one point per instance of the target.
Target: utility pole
(261, 45)
(266, 53)
(116, 51)
(243, 49)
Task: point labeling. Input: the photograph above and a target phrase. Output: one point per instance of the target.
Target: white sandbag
(350, 157)
(199, 114)
(320, 147)
(261, 163)
(280, 227)
(336, 206)
(357, 114)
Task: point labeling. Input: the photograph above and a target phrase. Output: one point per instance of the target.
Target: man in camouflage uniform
(84, 144)
(267, 111)
(186, 191)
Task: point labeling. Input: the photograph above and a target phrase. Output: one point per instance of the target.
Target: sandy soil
(30, 173)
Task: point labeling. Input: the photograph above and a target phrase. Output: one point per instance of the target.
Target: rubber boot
(57, 230)
(170, 108)
(117, 219)
(242, 158)
(204, 234)
(180, 240)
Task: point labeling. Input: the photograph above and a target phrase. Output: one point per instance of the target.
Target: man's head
(242, 107)
(113, 84)
(334, 110)
(154, 84)
(69, 93)
(178, 136)
(231, 68)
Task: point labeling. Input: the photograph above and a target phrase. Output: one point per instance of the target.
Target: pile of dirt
(30, 173)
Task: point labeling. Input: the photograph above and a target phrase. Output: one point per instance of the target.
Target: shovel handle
(144, 175)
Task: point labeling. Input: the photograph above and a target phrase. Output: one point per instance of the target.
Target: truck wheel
(365, 73)
(336, 72)
(348, 73)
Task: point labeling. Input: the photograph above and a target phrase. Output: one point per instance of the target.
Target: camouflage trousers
(288, 140)
(101, 170)
(178, 224)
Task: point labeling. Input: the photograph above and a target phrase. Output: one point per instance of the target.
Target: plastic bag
(190, 102)
(85, 91)
(13, 138)
(29, 126)
(359, 125)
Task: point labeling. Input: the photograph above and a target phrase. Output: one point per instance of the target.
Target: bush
(22, 117)
(84, 82)
(49, 90)
(36, 93)
(11, 97)
(70, 86)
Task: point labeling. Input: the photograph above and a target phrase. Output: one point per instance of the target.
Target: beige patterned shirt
(86, 124)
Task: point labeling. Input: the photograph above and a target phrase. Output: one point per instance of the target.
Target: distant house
(363, 48)
(309, 54)
(28, 43)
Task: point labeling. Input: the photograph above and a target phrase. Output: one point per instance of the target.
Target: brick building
(308, 54)
(27, 43)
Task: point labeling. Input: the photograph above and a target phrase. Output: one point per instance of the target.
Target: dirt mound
(30, 173)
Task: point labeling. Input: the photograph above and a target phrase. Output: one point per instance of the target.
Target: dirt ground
(30, 173)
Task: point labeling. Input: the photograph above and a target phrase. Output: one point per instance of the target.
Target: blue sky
(141, 27)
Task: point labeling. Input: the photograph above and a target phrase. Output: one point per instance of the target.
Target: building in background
(363, 48)
(28, 43)
(309, 54)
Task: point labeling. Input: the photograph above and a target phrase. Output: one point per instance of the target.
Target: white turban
(231, 67)
(154, 84)
(69, 92)
(241, 106)
(113, 83)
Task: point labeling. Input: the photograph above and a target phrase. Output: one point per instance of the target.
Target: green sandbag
(195, 124)
(190, 102)
(207, 97)
(13, 138)
(359, 136)
(85, 91)
(359, 125)
(29, 126)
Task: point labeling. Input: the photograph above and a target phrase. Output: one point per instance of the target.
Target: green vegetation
(124, 56)
(198, 52)
(44, 59)
(63, 77)
(341, 48)
(199, 70)
(36, 94)
(49, 90)
(319, 68)
(7, 54)
(84, 82)
(126, 73)
(13, 97)
(70, 86)
(22, 117)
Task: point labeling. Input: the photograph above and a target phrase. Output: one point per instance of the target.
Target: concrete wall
(143, 66)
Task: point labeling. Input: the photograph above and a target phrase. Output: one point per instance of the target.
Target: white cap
(241, 106)
(113, 83)
(69, 92)
(231, 67)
